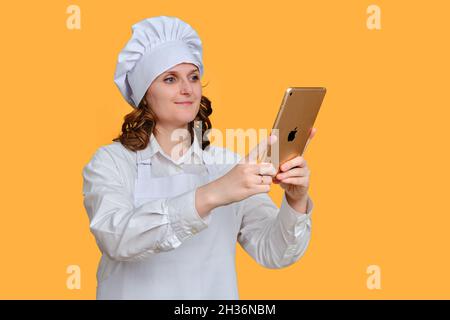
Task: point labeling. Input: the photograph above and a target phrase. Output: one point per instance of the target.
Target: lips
(184, 103)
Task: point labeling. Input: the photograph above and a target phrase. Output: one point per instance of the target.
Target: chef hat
(157, 44)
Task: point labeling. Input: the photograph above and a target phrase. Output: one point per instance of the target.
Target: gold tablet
(293, 124)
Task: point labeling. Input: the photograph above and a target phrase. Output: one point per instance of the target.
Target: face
(178, 84)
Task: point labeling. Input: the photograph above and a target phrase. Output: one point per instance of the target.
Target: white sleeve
(274, 238)
(125, 232)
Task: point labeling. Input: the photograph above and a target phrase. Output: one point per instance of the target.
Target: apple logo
(292, 134)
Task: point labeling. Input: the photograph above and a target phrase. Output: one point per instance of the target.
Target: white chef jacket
(155, 245)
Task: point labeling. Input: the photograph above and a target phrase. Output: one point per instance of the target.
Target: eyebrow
(175, 72)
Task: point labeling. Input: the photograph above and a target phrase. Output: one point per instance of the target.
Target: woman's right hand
(241, 182)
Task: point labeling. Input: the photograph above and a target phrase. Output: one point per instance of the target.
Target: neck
(175, 141)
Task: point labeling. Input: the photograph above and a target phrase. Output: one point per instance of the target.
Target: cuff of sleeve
(290, 216)
(184, 217)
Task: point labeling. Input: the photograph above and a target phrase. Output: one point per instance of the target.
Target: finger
(266, 168)
(275, 180)
(298, 161)
(294, 172)
(263, 179)
(262, 188)
(298, 181)
(259, 150)
(311, 135)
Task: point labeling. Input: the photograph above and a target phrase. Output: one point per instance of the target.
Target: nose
(186, 87)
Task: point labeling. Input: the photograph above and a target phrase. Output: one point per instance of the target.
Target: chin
(184, 120)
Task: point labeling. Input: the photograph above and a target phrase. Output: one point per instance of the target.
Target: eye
(195, 77)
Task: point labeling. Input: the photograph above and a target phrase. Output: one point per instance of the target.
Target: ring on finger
(262, 178)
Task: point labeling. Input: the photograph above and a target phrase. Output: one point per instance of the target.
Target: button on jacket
(154, 244)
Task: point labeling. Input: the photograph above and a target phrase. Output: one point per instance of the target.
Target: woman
(167, 215)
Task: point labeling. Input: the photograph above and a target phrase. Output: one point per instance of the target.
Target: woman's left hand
(294, 175)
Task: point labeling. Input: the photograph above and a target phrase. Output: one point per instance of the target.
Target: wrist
(206, 199)
(300, 204)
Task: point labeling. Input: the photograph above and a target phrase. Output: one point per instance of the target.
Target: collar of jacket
(153, 147)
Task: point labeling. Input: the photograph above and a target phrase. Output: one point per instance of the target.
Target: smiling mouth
(184, 103)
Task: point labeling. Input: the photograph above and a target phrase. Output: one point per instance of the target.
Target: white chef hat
(157, 44)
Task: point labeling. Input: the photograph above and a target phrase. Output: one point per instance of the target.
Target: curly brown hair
(139, 124)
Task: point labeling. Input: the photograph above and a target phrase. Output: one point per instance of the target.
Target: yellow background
(379, 161)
